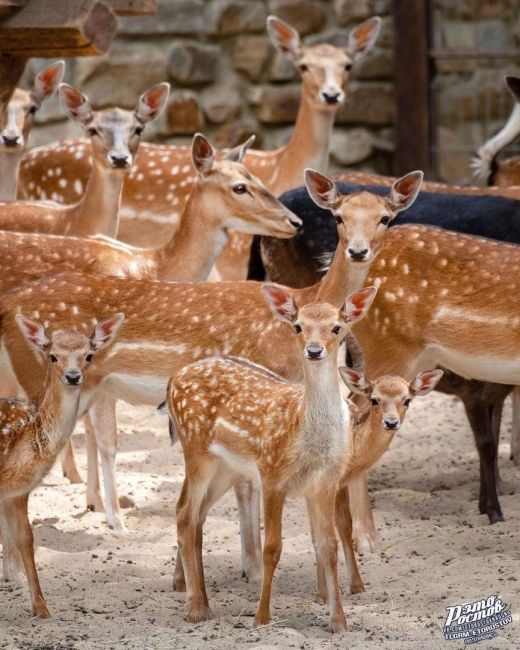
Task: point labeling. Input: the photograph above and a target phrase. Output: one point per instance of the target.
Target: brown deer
(114, 136)
(34, 433)
(234, 419)
(17, 123)
(149, 213)
(187, 322)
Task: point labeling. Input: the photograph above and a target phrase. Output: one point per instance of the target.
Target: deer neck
(9, 168)
(56, 415)
(192, 252)
(98, 211)
(343, 277)
(308, 146)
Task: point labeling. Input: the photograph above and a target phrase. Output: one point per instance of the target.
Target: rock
(172, 17)
(384, 139)
(250, 54)
(276, 104)
(352, 146)
(221, 102)
(377, 64)
(471, 9)
(193, 62)
(368, 103)
(480, 97)
(183, 114)
(237, 132)
(236, 16)
(307, 16)
(281, 68)
(347, 11)
(121, 75)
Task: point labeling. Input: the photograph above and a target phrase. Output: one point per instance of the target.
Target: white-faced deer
(17, 124)
(114, 136)
(149, 213)
(34, 433)
(486, 166)
(236, 420)
(184, 322)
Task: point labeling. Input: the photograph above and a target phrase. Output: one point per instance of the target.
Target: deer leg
(321, 506)
(344, 528)
(69, 465)
(16, 514)
(94, 499)
(364, 532)
(11, 558)
(321, 585)
(515, 431)
(273, 508)
(496, 409)
(250, 545)
(479, 417)
(103, 415)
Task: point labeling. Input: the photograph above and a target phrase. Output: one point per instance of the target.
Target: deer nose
(391, 423)
(314, 351)
(296, 223)
(10, 140)
(72, 377)
(331, 98)
(357, 256)
(121, 161)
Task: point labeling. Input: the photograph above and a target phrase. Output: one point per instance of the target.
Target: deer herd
(107, 246)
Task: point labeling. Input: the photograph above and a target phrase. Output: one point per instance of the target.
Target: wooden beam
(413, 73)
(52, 28)
(9, 5)
(11, 69)
(132, 7)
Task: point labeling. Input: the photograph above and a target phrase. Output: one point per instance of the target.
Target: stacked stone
(229, 82)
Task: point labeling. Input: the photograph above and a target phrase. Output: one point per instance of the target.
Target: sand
(114, 591)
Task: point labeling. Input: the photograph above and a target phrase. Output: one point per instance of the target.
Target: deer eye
(240, 188)
(407, 401)
(53, 358)
(304, 68)
(32, 110)
(297, 328)
(336, 329)
(374, 402)
(89, 357)
(385, 220)
(139, 130)
(348, 67)
(92, 132)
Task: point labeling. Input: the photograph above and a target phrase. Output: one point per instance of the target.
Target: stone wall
(228, 81)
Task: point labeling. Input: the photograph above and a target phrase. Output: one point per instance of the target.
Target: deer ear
(405, 190)
(237, 153)
(362, 38)
(357, 305)
(202, 153)
(33, 332)
(76, 105)
(105, 331)
(356, 381)
(285, 38)
(425, 382)
(152, 103)
(321, 189)
(47, 81)
(513, 84)
(280, 302)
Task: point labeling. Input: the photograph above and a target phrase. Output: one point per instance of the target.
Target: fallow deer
(185, 322)
(114, 136)
(236, 420)
(33, 434)
(18, 122)
(156, 190)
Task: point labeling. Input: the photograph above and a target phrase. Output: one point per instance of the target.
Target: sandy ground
(110, 591)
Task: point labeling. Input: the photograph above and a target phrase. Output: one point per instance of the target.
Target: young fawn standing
(235, 420)
(32, 435)
(114, 136)
(17, 124)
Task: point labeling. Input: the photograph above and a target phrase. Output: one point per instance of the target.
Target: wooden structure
(57, 28)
